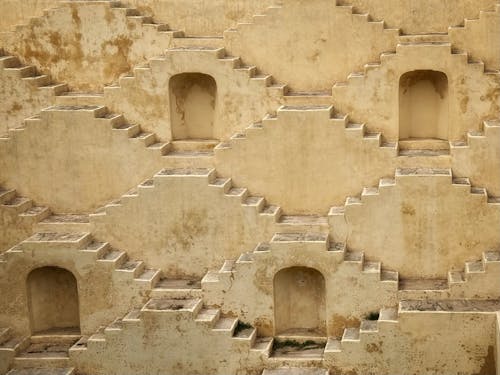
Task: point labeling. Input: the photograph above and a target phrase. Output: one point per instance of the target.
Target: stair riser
(41, 362)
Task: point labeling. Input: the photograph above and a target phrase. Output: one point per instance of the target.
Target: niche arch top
(300, 302)
(193, 101)
(423, 105)
(53, 301)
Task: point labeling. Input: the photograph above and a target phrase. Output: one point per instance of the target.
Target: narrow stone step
(42, 371)
(226, 325)
(295, 371)
(350, 334)
(423, 284)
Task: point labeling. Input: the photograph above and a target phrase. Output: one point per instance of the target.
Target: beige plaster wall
(308, 156)
(430, 16)
(85, 44)
(145, 97)
(330, 43)
(419, 224)
(373, 97)
(188, 225)
(103, 293)
(423, 343)
(199, 17)
(20, 97)
(19, 12)
(479, 159)
(15, 227)
(71, 161)
(139, 345)
(480, 37)
(253, 276)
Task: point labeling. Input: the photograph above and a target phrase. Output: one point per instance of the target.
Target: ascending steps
(355, 336)
(193, 309)
(21, 206)
(479, 271)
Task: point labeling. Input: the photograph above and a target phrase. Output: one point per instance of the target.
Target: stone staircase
(354, 336)
(385, 183)
(13, 67)
(24, 207)
(330, 252)
(338, 119)
(491, 128)
(46, 352)
(257, 204)
(173, 151)
(85, 245)
(191, 309)
(38, 354)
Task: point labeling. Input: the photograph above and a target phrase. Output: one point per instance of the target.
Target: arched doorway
(423, 105)
(53, 300)
(299, 302)
(193, 99)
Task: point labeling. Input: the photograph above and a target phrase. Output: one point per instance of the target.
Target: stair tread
(295, 371)
(423, 284)
(41, 371)
(451, 305)
(226, 323)
(187, 284)
(66, 218)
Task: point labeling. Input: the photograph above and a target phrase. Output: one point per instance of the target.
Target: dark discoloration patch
(15, 108)
(438, 80)
(407, 209)
(116, 55)
(489, 366)
(338, 323)
(75, 16)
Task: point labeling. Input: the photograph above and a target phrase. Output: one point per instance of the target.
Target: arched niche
(53, 300)
(193, 98)
(299, 302)
(423, 105)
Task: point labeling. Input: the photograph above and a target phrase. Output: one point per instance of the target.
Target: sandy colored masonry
(235, 187)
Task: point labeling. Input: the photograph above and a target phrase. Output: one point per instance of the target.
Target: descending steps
(171, 151)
